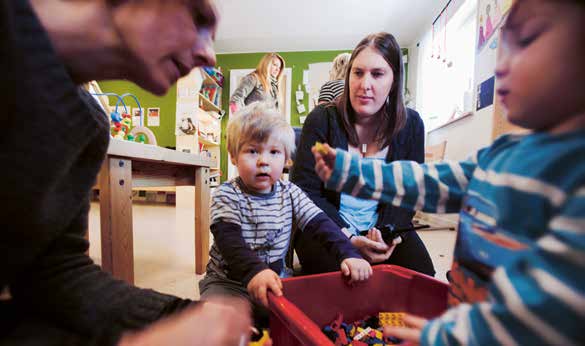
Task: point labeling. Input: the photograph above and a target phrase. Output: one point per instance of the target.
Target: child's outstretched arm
(326, 232)
(356, 269)
(538, 299)
(314, 221)
(436, 188)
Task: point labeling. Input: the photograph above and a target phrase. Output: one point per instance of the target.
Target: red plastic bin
(310, 302)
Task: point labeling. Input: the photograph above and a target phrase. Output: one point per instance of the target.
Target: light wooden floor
(164, 253)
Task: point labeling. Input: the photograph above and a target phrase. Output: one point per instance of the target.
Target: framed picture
(491, 13)
(153, 116)
(136, 116)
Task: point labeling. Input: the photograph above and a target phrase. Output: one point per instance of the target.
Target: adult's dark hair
(393, 115)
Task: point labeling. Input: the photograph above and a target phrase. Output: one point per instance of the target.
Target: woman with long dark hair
(369, 119)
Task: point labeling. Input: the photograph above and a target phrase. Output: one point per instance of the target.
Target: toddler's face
(541, 74)
(260, 165)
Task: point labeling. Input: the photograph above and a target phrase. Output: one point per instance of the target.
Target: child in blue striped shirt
(519, 263)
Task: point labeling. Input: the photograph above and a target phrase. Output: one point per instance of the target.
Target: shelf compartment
(207, 105)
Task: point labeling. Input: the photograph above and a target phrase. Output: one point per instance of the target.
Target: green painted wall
(165, 133)
(298, 61)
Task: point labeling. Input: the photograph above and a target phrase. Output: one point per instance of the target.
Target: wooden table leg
(115, 182)
(202, 199)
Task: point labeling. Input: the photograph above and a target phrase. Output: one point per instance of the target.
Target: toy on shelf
(215, 74)
(120, 129)
(121, 124)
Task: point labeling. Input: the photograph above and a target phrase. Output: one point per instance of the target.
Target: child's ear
(233, 160)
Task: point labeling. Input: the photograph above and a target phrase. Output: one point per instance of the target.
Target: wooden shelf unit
(207, 105)
(205, 115)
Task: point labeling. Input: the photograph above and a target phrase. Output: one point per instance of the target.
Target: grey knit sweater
(251, 90)
(54, 138)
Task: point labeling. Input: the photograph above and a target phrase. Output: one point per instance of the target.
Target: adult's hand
(373, 247)
(220, 321)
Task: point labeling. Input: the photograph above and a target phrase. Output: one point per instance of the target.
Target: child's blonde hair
(257, 122)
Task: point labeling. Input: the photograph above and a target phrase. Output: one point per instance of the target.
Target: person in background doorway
(333, 88)
(369, 119)
(54, 141)
(262, 85)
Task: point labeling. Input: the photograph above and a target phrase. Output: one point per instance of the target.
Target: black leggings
(411, 254)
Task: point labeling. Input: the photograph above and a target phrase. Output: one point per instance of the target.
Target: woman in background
(333, 88)
(369, 119)
(261, 85)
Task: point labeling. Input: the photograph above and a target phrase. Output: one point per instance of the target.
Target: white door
(235, 77)
(319, 74)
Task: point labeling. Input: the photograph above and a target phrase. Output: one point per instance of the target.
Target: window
(445, 88)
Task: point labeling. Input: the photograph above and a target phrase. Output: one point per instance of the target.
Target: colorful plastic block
(393, 319)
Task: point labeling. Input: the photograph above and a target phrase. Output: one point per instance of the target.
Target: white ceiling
(306, 25)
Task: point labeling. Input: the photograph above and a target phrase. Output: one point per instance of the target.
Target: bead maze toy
(121, 124)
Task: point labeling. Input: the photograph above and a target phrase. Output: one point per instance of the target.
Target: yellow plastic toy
(392, 319)
(265, 337)
(320, 148)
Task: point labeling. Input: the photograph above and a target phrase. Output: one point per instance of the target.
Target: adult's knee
(413, 254)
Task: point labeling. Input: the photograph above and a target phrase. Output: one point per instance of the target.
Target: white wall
(412, 73)
(468, 134)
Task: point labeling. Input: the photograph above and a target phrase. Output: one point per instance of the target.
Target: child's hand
(324, 160)
(359, 269)
(412, 332)
(262, 282)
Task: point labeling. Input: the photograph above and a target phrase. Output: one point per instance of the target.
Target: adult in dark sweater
(53, 142)
(370, 119)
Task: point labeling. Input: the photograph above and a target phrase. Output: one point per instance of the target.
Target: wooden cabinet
(198, 116)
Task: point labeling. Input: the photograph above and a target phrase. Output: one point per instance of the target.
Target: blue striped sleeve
(537, 299)
(435, 187)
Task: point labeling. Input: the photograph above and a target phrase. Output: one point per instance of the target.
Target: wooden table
(133, 165)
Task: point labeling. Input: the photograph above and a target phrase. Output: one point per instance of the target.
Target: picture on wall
(485, 93)
(185, 120)
(491, 13)
(153, 116)
(136, 116)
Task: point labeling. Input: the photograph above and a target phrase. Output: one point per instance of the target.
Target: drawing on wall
(491, 13)
(136, 112)
(154, 116)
